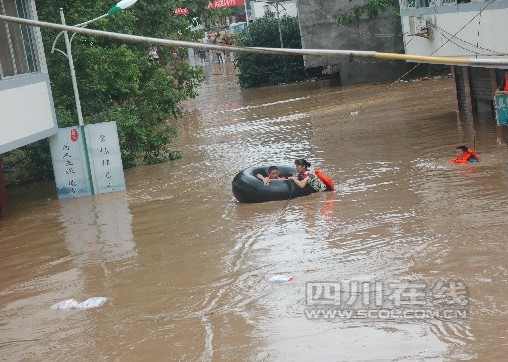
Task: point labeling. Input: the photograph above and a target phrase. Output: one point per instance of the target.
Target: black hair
(271, 168)
(302, 162)
(463, 148)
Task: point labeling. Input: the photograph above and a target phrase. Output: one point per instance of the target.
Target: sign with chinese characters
(105, 157)
(218, 4)
(69, 163)
(390, 299)
(182, 11)
(104, 171)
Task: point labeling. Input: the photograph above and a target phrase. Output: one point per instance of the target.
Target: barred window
(17, 42)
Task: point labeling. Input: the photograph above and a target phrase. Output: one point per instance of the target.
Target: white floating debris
(281, 278)
(94, 302)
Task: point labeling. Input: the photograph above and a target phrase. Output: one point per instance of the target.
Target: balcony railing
(416, 4)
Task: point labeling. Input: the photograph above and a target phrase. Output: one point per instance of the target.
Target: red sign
(182, 11)
(74, 135)
(218, 4)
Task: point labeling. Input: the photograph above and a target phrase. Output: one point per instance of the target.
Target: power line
(465, 41)
(261, 50)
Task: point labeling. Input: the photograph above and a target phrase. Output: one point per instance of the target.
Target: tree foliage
(370, 9)
(260, 69)
(116, 80)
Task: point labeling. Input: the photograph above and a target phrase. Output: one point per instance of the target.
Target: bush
(116, 81)
(258, 70)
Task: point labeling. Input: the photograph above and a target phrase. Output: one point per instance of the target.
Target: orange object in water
(466, 157)
(506, 86)
(327, 181)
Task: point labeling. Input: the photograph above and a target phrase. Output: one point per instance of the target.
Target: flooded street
(186, 267)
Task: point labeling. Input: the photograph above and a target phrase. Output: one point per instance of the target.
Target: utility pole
(246, 13)
(73, 73)
(4, 204)
(278, 21)
(78, 102)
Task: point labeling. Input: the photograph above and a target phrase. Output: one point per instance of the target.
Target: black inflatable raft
(247, 188)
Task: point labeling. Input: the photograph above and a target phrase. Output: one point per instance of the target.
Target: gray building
(320, 31)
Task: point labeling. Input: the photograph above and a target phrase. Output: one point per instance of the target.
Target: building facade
(259, 8)
(26, 105)
(27, 112)
(461, 29)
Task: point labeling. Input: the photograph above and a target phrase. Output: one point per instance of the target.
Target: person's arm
(300, 183)
(266, 180)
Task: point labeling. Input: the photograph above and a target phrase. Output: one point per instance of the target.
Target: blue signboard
(501, 103)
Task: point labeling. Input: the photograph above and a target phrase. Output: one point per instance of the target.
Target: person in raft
(303, 176)
(465, 155)
(273, 173)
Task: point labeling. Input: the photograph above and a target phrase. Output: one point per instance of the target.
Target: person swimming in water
(464, 155)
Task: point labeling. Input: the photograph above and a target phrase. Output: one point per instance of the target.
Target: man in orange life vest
(504, 84)
(465, 155)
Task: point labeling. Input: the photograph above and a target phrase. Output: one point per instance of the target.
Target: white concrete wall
(27, 112)
(487, 31)
(258, 8)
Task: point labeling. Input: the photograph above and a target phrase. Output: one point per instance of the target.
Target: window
(17, 45)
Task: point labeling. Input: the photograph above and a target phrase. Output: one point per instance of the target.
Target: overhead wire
(368, 54)
(441, 30)
(346, 115)
(258, 50)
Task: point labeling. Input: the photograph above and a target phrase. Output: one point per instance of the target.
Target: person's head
(273, 172)
(461, 151)
(302, 165)
(506, 75)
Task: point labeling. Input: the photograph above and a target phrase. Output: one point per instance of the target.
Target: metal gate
(480, 82)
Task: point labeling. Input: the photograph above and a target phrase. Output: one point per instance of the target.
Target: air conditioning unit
(421, 26)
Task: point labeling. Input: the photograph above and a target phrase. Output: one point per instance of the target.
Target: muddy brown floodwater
(187, 277)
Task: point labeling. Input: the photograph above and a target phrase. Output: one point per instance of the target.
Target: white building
(26, 105)
(27, 113)
(461, 29)
(259, 8)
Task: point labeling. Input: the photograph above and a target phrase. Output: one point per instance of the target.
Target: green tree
(259, 69)
(369, 9)
(116, 80)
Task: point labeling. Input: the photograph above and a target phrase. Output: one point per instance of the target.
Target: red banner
(219, 4)
(182, 11)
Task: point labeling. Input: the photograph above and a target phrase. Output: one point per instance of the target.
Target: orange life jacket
(466, 157)
(327, 181)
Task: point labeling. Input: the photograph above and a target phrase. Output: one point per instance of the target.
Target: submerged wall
(383, 34)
